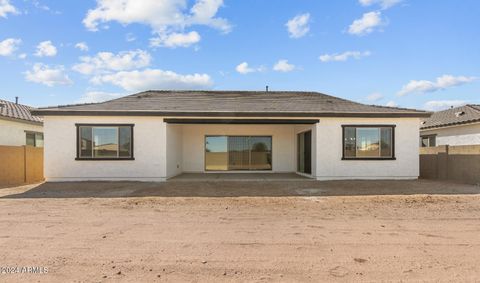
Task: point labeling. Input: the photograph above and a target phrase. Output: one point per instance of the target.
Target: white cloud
(343, 56)
(174, 40)
(44, 7)
(82, 46)
(22, 56)
(385, 4)
(366, 24)
(391, 103)
(165, 18)
(154, 79)
(6, 8)
(204, 12)
(129, 37)
(49, 76)
(283, 66)
(298, 26)
(443, 82)
(374, 97)
(243, 68)
(46, 48)
(9, 46)
(107, 61)
(437, 105)
(98, 96)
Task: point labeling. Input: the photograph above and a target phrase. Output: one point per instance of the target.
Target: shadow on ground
(236, 189)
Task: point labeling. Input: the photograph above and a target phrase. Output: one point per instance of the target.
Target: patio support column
(162, 147)
(315, 157)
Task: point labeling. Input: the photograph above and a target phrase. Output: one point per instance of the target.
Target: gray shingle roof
(469, 113)
(230, 103)
(13, 110)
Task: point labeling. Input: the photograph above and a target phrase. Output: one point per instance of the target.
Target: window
(365, 142)
(104, 142)
(34, 139)
(428, 141)
(238, 153)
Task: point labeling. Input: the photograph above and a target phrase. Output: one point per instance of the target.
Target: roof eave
(40, 112)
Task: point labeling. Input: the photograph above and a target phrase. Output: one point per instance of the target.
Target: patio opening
(240, 146)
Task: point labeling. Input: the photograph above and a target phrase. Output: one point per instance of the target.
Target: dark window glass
(105, 142)
(428, 141)
(423, 142)
(216, 153)
(260, 153)
(386, 142)
(34, 139)
(125, 141)
(238, 153)
(368, 142)
(30, 139)
(432, 141)
(86, 142)
(350, 142)
(38, 139)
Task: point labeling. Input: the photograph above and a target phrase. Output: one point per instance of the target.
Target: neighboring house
(18, 126)
(160, 134)
(455, 126)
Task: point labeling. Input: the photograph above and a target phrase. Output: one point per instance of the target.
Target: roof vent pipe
(16, 99)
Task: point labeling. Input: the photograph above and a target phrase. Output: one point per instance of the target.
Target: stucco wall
(330, 165)
(13, 133)
(60, 151)
(163, 150)
(283, 143)
(457, 135)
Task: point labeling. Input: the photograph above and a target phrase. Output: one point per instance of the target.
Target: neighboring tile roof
(230, 103)
(13, 110)
(469, 113)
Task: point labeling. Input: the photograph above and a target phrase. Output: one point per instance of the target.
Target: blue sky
(419, 54)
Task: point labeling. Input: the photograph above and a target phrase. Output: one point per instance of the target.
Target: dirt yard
(251, 231)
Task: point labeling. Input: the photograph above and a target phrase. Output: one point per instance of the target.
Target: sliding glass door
(232, 153)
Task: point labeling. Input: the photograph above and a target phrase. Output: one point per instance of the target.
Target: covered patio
(240, 149)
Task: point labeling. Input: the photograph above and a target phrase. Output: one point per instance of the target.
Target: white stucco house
(18, 126)
(155, 135)
(454, 126)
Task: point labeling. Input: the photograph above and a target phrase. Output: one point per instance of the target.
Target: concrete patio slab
(240, 177)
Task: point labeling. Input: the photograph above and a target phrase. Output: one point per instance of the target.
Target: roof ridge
(18, 104)
(67, 105)
(187, 91)
(396, 107)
